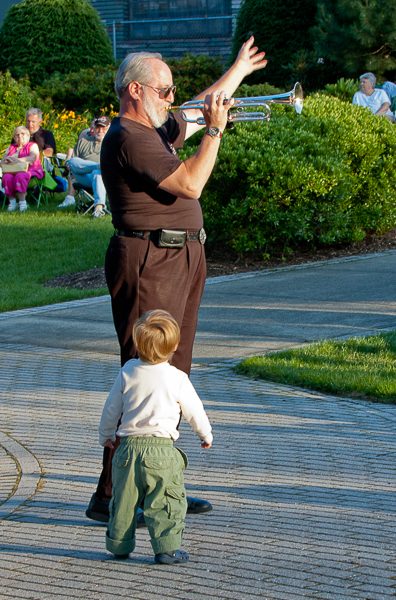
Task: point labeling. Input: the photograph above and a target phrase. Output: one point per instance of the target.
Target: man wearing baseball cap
(84, 164)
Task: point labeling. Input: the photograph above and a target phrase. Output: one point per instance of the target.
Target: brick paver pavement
(303, 487)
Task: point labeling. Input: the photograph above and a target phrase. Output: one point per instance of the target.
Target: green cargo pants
(147, 470)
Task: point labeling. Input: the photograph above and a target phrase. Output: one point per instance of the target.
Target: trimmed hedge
(87, 89)
(40, 37)
(322, 177)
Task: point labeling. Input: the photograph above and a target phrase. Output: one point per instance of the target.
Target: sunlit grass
(39, 245)
(359, 367)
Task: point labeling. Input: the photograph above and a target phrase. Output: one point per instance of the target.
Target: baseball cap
(102, 121)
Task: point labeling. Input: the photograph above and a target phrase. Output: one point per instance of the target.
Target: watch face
(213, 131)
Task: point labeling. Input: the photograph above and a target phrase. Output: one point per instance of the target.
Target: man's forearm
(248, 60)
(190, 178)
(383, 109)
(228, 82)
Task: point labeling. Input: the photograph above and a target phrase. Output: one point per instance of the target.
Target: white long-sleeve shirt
(150, 399)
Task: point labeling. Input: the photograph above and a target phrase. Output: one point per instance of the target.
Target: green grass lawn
(359, 367)
(39, 245)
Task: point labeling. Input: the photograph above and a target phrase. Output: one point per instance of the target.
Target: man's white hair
(34, 111)
(134, 67)
(370, 76)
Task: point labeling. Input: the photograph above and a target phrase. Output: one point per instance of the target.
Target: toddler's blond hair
(155, 334)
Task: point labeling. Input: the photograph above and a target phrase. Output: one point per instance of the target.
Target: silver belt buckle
(202, 236)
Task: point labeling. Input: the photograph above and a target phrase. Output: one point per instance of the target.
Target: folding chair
(42, 192)
(44, 186)
(85, 201)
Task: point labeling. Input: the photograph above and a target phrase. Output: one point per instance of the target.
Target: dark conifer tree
(357, 36)
(280, 28)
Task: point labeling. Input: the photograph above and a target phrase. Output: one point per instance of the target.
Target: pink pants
(16, 182)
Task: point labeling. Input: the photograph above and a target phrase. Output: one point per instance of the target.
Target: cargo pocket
(159, 464)
(184, 457)
(176, 502)
(121, 458)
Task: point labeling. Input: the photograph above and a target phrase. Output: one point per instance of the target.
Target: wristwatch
(214, 132)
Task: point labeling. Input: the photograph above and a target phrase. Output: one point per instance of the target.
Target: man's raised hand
(248, 59)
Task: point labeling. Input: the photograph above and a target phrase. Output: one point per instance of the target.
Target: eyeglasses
(162, 92)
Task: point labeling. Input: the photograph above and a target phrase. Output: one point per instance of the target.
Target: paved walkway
(303, 484)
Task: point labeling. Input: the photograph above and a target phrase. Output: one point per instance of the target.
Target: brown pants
(142, 277)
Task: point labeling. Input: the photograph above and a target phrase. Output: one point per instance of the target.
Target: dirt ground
(225, 262)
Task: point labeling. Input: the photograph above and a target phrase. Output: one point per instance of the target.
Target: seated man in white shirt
(375, 99)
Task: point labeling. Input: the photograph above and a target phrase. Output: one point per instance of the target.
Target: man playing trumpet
(156, 258)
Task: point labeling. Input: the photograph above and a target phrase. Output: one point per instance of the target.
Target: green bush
(261, 89)
(193, 74)
(15, 98)
(41, 37)
(322, 177)
(88, 89)
(344, 89)
(280, 29)
(93, 89)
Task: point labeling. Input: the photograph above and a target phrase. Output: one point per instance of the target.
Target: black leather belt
(168, 238)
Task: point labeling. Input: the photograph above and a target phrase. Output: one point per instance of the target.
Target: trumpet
(237, 112)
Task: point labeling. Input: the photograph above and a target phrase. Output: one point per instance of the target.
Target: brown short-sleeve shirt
(135, 159)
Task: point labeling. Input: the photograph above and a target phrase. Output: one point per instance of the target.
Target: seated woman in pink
(21, 150)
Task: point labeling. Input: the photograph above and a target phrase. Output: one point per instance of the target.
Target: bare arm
(5, 158)
(48, 152)
(191, 176)
(33, 156)
(383, 109)
(248, 60)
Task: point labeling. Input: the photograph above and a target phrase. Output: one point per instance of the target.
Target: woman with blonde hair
(22, 161)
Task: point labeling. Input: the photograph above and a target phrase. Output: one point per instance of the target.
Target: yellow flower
(56, 125)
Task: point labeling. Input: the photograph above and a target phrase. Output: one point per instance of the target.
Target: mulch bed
(223, 261)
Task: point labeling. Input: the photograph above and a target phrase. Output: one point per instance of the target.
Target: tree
(41, 37)
(357, 36)
(280, 28)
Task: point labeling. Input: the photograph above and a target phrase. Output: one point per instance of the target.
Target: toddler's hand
(108, 444)
(206, 445)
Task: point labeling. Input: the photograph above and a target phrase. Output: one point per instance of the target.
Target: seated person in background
(43, 137)
(375, 99)
(21, 151)
(84, 164)
(390, 89)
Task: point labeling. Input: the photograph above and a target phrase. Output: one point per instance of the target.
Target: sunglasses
(162, 92)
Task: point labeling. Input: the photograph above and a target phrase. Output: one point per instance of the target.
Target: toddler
(149, 396)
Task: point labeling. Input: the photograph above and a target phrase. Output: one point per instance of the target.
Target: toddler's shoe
(171, 558)
(22, 206)
(12, 205)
